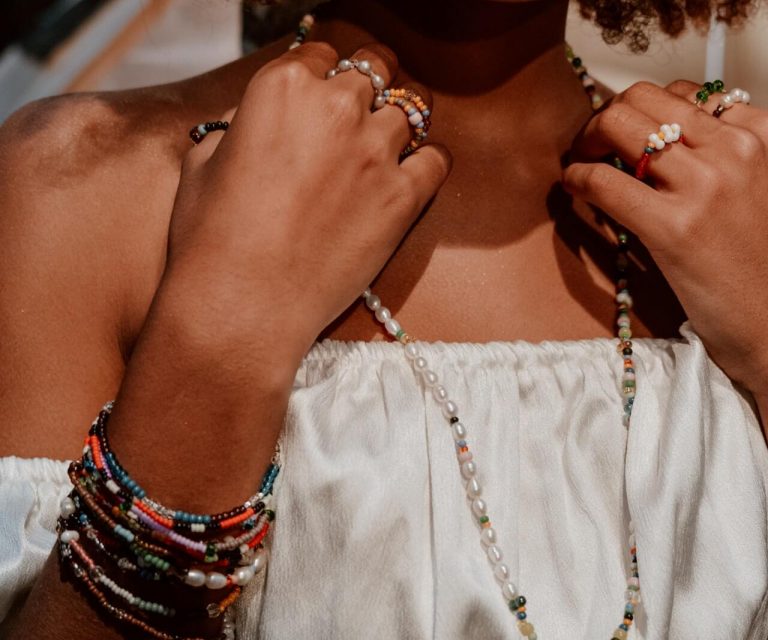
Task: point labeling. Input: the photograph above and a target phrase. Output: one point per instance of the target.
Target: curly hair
(632, 21)
(629, 21)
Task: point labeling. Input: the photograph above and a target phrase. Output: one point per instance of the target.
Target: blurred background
(49, 47)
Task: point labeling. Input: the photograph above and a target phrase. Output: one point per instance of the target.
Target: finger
(630, 202)
(317, 56)
(622, 130)
(424, 172)
(665, 107)
(738, 113)
(377, 67)
(393, 121)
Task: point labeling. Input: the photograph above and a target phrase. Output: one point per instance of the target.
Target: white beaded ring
(731, 98)
(364, 67)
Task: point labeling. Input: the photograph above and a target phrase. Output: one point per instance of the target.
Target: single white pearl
(67, 507)
(331, 73)
(345, 65)
(459, 431)
(420, 363)
(479, 508)
(430, 378)
(468, 469)
(377, 81)
(667, 131)
(441, 395)
(450, 409)
(260, 560)
(367, 292)
(509, 591)
(474, 489)
(494, 554)
(383, 314)
(195, 578)
(746, 98)
(215, 580)
(373, 302)
(364, 66)
(502, 572)
(727, 100)
(242, 576)
(738, 94)
(68, 536)
(392, 326)
(379, 102)
(411, 351)
(415, 119)
(488, 536)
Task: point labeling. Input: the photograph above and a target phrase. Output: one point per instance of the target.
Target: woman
(192, 283)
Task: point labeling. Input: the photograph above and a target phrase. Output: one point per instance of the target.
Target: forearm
(203, 400)
(195, 423)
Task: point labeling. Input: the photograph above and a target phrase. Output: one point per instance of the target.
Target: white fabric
(374, 539)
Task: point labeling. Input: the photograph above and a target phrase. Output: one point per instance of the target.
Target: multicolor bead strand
(122, 512)
(667, 134)
(302, 31)
(708, 89)
(589, 84)
(731, 98)
(417, 112)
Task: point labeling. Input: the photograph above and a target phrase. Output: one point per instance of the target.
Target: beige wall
(667, 60)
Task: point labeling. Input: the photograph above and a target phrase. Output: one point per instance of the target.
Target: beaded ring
(200, 131)
(667, 134)
(708, 89)
(364, 67)
(730, 99)
(418, 114)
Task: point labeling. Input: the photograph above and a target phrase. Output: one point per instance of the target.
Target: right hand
(283, 221)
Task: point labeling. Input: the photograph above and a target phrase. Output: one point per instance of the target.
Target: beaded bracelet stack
(109, 529)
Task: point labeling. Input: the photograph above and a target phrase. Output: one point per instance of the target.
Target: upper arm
(70, 276)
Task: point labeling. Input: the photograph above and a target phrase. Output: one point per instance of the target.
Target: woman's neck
(461, 47)
(497, 70)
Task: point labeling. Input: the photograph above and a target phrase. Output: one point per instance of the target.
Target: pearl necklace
(467, 465)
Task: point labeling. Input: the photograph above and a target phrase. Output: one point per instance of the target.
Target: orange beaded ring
(418, 114)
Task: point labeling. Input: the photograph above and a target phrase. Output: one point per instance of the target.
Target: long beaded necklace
(467, 464)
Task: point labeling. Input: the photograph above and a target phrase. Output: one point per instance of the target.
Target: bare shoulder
(87, 185)
(86, 191)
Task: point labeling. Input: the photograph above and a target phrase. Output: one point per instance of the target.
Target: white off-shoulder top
(373, 537)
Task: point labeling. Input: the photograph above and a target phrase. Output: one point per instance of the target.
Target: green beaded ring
(707, 89)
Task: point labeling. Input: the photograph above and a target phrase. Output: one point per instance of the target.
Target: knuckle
(681, 87)
(343, 106)
(745, 144)
(614, 119)
(279, 76)
(640, 91)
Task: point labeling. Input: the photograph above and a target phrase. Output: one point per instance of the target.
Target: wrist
(223, 322)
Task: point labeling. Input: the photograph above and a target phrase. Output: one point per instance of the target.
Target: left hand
(705, 217)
